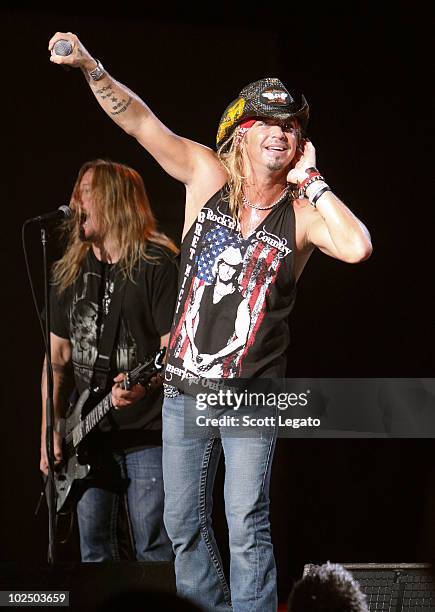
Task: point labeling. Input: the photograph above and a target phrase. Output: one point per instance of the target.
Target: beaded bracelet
(307, 182)
(310, 172)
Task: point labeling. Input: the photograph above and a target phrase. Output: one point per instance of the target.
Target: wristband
(307, 182)
(318, 194)
(310, 172)
(98, 72)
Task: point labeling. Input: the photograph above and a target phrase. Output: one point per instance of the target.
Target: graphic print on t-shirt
(85, 315)
(222, 300)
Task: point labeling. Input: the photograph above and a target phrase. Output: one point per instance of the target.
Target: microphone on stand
(60, 214)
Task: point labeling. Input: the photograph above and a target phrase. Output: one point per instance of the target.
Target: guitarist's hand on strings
(122, 398)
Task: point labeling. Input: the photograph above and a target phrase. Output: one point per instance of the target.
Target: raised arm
(185, 160)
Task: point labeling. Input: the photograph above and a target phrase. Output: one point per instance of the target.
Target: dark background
(364, 75)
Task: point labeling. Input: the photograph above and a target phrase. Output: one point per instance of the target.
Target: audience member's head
(327, 588)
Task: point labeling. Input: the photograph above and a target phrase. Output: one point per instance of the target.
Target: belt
(170, 390)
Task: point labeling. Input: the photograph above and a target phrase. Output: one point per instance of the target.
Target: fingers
(57, 444)
(43, 465)
(75, 58)
(59, 59)
(117, 387)
(308, 147)
(119, 378)
(155, 381)
(62, 36)
(122, 398)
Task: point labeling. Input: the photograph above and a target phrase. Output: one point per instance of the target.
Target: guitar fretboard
(92, 419)
(144, 370)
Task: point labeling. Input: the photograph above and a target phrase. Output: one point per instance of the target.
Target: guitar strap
(107, 337)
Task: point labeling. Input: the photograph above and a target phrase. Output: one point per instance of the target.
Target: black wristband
(318, 194)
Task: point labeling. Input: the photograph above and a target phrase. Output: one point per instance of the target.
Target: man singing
(261, 195)
(113, 243)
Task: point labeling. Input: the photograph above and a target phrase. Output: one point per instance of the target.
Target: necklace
(109, 285)
(282, 195)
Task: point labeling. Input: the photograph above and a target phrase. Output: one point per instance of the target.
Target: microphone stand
(49, 414)
(49, 486)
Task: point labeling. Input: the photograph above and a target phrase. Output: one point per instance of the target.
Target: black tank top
(235, 297)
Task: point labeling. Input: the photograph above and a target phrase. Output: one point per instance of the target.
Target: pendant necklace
(255, 217)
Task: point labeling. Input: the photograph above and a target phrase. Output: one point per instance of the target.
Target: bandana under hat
(243, 128)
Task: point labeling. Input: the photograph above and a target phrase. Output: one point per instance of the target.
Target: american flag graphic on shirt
(262, 255)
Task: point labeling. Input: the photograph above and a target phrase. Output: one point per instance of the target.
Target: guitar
(82, 418)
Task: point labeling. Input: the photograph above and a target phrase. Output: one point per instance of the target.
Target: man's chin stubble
(275, 166)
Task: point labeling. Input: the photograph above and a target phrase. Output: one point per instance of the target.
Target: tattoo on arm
(103, 89)
(105, 92)
(57, 367)
(63, 384)
(121, 106)
(118, 106)
(63, 372)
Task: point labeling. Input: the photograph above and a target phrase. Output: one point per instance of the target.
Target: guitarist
(112, 242)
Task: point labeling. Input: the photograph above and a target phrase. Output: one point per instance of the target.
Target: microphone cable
(32, 288)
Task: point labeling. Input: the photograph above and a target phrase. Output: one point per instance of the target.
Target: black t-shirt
(146, 314)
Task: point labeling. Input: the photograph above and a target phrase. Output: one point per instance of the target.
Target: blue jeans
(97, 509)
(189, 469)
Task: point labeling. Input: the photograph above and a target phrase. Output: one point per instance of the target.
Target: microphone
(62, 47)
(61, 213)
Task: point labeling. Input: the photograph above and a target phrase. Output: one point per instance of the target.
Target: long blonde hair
(231, 157)
(124, 214)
